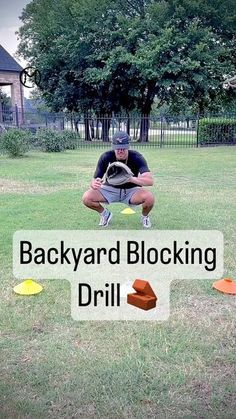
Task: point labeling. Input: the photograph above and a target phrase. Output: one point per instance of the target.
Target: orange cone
(226, 285)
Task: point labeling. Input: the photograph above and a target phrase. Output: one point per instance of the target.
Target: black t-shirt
(136, 162)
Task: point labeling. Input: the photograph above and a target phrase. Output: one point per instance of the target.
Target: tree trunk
(87, 130)
(62, 123)
(128, 125)
(148, 97)
(97, 128)
(106, 123)
(91, 123)
(144, 128)
(76, 123)
(201, 102)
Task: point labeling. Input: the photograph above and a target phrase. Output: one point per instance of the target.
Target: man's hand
(145, 179)
(96, 183)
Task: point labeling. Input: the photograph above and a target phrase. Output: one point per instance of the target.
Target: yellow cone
(127, 211)
(28, 287)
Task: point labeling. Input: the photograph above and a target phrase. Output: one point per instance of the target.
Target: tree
(118, 56)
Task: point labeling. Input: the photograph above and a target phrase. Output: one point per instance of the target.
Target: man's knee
(92, 197)
(143, 197)
(149, 199)
(86, 198)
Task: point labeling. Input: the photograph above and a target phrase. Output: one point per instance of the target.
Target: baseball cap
(120, 140)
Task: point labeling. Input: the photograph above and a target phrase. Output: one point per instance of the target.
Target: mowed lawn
(54, 367)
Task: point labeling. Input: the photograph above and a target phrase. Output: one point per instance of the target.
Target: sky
(10, 10)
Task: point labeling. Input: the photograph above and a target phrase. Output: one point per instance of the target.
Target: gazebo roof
(7, 63)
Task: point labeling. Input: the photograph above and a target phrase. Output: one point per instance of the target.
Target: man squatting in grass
(131, 193)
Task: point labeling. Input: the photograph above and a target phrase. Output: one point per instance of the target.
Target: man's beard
(123, 159)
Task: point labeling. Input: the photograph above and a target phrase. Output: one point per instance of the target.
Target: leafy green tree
(118, 56)
(5, 100)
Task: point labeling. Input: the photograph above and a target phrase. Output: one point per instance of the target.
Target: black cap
(120, 140)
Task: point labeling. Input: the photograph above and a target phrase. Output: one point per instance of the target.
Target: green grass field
(55, 367)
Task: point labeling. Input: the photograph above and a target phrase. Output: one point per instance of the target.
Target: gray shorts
(112, 194)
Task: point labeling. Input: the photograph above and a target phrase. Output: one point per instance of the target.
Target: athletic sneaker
(146, 222)
(105, 219)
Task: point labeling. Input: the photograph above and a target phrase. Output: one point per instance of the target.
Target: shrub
(217, 131)
(55, 141)
(70, 140)
(50, 140)
(14, 142)
(32, 141)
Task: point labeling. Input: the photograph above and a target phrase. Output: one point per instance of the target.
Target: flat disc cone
(28, 287)
(127, 211)
(226, 285)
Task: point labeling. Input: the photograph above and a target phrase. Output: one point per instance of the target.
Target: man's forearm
(142, 180)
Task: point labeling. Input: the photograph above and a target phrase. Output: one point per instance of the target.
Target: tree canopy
(117, 56)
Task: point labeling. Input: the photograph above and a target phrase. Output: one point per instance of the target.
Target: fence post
(162, 133)
(1, 111)
(197, 130)
(17, 116)
(113, 123)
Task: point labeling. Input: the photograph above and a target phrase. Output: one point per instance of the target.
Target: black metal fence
(146, 131)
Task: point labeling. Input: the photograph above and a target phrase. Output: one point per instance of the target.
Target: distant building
(9, 76)
(232, 81)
